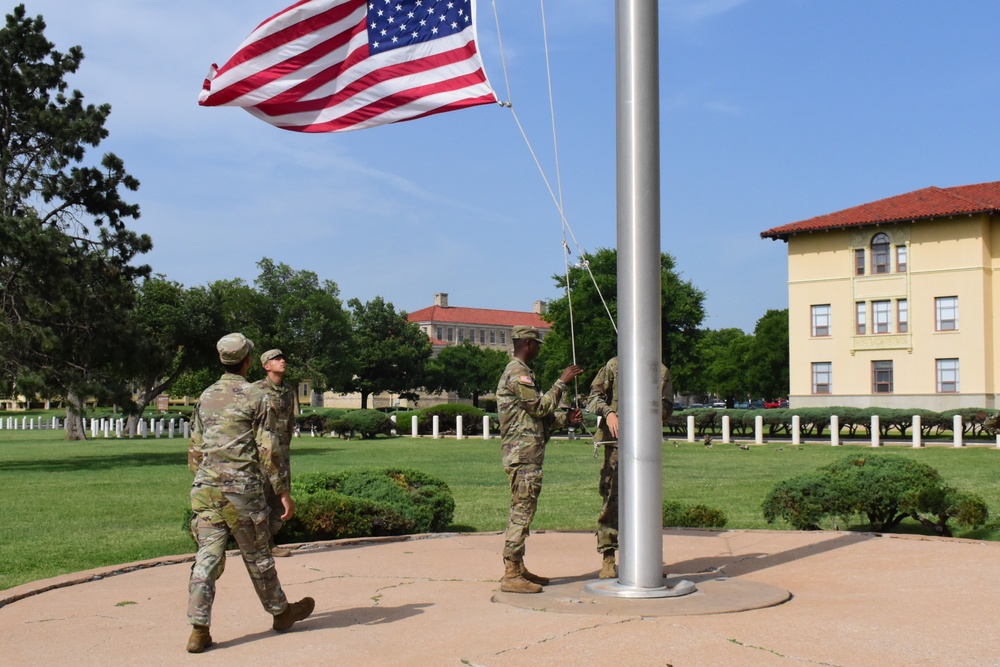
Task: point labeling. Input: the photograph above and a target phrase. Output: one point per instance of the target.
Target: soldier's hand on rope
(612, 422)
(569, 373)
(574, 416)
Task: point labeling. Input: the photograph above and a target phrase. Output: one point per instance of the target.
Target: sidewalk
(851, 599)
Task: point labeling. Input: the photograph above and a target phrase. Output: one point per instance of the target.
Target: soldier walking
(527, 420)
(234, 455)
(281, 420)
(603, 402)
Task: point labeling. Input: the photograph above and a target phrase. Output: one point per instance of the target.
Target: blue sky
(772, 111)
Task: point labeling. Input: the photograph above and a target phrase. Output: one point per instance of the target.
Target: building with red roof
(450, 325)
(894, 303)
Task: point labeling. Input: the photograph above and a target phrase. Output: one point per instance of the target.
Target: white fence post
(413, 426)
(875, 433)
(392, 418)
(435, 429)
(834, 431)
(956, 429)
(758, 430)
(725, 428)
(796, 429)
(917, 432)
(458, 428)
(690, 428)
(486, 427)
(185, 430)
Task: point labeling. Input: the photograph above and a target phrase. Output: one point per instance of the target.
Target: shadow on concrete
(341, 618)
(735, 566)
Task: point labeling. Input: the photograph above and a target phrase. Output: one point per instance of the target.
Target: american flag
(336, 65)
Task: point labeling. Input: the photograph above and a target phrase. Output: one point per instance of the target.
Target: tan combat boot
(533, 578)
(280, 552)
(294, 612)
(608, 569)
(199, 639)
(513, 581)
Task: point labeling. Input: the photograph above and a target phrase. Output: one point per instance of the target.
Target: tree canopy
(466, 369)
(682, 312)
(66, 271)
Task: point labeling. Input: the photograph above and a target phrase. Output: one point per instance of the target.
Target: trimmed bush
(676, 515)
(366, 423)
(885, 488)
(472, 418)
(368, 502)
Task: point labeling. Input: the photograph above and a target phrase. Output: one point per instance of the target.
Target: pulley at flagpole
(640, 456)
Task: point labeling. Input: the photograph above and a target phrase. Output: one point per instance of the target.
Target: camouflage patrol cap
(525, 333)
(270, 354)
(233, 348)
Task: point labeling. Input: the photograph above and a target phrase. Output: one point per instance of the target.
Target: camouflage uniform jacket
(603, 398)
(281, 417)
(527, 417)
(231, 446)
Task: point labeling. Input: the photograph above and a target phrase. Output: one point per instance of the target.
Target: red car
(776, 403)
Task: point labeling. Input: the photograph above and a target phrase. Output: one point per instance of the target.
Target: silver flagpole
(640, 496)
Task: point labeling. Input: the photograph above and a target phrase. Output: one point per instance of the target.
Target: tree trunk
(364, 399)
(132, 425)
(74, 418)
(475, 399)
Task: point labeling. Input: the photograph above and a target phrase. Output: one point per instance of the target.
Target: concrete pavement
(816, 598)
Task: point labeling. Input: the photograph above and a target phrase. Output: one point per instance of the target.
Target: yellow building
(894, 303)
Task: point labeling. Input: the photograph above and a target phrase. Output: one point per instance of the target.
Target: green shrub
(884, 488)
(676, 515)
(366, 423)
(366, 502)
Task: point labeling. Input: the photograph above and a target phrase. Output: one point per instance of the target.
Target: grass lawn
(73, 506)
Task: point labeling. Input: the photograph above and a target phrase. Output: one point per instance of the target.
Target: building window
(821, 320)
(903, 315)
(305, 390)
(440, 335)
(461, 334)
(880, 253)
(859, 262)
(821, 377)
(493, 336)
(901, 258)
(881, 377)
(503, 337)
(482, 336)
(880, 314)
(451, 335)
(946, 313)
(947, 376)
(860, 319)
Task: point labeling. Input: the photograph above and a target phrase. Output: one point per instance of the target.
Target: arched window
(880, 253)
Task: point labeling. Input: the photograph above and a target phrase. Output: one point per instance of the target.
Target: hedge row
(816, 421)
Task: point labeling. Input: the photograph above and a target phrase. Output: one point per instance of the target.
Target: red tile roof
(478, 316)
(922, 204)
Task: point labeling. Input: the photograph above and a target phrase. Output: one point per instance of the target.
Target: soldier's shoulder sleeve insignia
(526, 380)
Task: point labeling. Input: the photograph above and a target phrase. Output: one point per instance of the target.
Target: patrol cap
(525, 333)
(270, 354)
(233, 348)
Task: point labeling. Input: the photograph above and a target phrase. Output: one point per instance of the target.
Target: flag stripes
(322, 66)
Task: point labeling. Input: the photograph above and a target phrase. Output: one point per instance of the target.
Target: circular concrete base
(718, 595)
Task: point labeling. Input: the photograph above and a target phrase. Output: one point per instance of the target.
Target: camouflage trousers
(607, 520)
(219, 514)
(525, 485)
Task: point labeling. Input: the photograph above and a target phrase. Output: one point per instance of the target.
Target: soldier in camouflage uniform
(603, 402)
(233, 456)
(281, 420)
(527, 419)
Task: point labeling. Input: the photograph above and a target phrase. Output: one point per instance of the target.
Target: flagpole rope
(556, 199)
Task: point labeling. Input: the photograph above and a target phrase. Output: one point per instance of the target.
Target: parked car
(695, 406)
(678, 406)
(718, 404)
(757, 405)
(776, 403)
(741, 405)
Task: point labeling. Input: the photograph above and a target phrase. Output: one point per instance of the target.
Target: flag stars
(413, 21)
